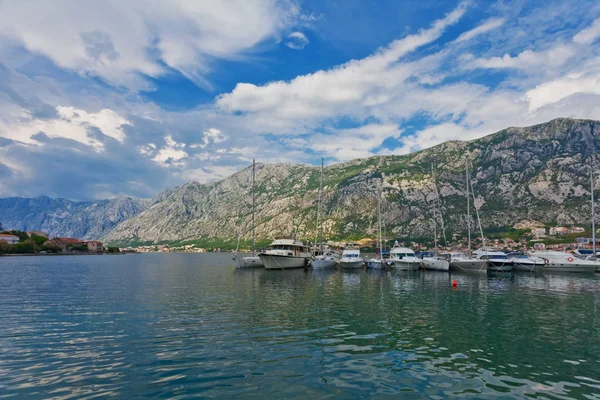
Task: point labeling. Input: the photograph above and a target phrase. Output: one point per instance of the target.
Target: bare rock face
(60, 217)
(538, 174)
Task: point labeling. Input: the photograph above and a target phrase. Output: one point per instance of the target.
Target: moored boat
(462, 262)
(286, 254)
(527, 263)
(329, 260)
(563, 261)
(404, 258)
(498, 261)
(351, 259)
(436, 263)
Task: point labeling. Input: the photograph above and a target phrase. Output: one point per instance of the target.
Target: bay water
(191, 325)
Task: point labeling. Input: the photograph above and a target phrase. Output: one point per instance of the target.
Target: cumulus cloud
(296, 40)
(589, 34)
(171, 154)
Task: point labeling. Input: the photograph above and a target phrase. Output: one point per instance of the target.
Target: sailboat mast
(379, 223)
(478, 219)
(317, 226)
(253, 199)
(435, 243)
(468, 206)
(593, 208)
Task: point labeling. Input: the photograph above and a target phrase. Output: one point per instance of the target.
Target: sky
(128, 98)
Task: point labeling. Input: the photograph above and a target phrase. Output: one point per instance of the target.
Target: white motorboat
(524, 262)
(436, 263)
(498, 261)
(563, 261)
(404, 258)
(253, 260)
(462, 262)
(286, 254)
(329, 260)
(351, 259)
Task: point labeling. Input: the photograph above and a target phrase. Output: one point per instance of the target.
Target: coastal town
(38, 242)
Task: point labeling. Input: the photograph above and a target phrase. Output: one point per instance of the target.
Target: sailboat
(253, 260)
(377, 262)
(437, 262)
(465, 262)
(322, 260)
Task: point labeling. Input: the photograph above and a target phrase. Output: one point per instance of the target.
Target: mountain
(60, 217)
(539, 173)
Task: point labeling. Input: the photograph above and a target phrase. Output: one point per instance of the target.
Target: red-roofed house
(64, 243)
(95, 246)
(8, 238)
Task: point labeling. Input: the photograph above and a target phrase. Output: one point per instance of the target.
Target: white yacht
(351, 259)
(460, 261)
(527, 263)
(563, 261)
(404, 258)
(329, 260)
(286, 254)
(498, 261)
(436, 263)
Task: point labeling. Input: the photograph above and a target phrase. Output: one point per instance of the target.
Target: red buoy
(454, 283)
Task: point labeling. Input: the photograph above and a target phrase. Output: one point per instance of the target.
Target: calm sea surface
(190, 325)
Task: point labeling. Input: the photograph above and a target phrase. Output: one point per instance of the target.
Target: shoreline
(62, 254)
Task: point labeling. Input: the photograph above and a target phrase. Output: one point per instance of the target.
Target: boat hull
(351, 264)
(469, 265)
(570, 267)
(375, 264)
(272, 261)
(527, 267)
(401, 265)
(248, 262)
(324, 264)
(435, 264)
(500, 266)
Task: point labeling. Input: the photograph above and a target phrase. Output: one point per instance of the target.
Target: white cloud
(172, 154)
(552, 57)
(590, 34)
(284, 106)
(120, 40)
(71, 123)
(211, 136)
(559, 89)
(296, 41)
(490, 24)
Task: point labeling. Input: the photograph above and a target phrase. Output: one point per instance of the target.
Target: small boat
(351, 259)
(524, 262)
(329, 260)
(286, 254)
(462, 262)
(404, 258)
(436, 263)
(567, 262)
(498, 260)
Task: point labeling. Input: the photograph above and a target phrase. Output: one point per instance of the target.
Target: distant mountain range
(539, 174)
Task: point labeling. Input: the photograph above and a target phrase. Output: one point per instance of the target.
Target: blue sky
(106, 99)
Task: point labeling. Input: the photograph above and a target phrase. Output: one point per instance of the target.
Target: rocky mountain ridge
(538, 173)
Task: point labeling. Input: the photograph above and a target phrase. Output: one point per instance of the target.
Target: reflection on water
(167, 325)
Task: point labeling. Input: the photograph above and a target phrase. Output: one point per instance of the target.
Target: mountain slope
(60, 217)
(537, 173)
